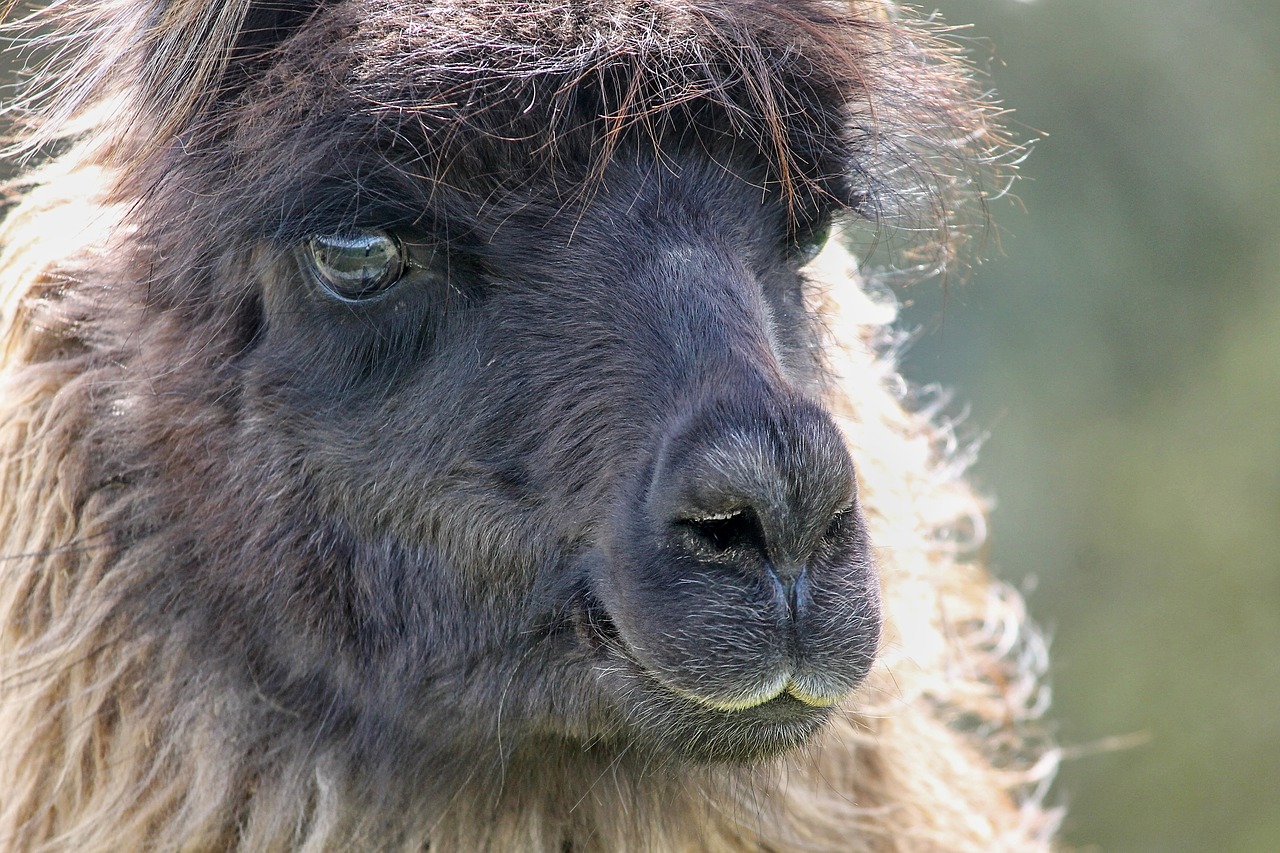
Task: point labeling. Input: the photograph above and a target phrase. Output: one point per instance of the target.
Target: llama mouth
(783, 701)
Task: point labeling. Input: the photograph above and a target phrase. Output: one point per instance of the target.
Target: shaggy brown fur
(156, 538)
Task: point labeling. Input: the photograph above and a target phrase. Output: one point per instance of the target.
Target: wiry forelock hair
(849, 104)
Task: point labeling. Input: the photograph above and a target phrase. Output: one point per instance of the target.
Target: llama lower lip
(775, 690)
(783, 708)
(781, 701)
(786, 703)
(784, 687)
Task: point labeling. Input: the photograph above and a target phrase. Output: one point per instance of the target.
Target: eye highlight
(356, 265)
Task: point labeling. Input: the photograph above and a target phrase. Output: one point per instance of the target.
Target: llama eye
(357, 265)
(809, 240)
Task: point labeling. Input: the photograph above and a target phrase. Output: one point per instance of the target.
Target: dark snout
(754, 489)
(741, 573)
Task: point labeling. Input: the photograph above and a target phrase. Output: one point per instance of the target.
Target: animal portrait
(439, 426)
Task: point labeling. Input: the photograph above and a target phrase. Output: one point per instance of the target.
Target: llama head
(450, 381)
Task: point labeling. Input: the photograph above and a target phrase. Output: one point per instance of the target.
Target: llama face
(578, 447)
(501, 376)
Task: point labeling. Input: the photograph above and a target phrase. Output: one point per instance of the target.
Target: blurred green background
(1121, 346)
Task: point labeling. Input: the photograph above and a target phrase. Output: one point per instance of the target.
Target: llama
(449, 426)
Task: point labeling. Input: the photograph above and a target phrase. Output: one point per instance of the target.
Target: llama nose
(755, 485)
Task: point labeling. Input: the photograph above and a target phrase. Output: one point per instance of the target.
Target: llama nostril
(734, 534)
(739, 537)
(758, 483)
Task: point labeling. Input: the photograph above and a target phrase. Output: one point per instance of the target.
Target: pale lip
(784, 684)
(808, 689)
